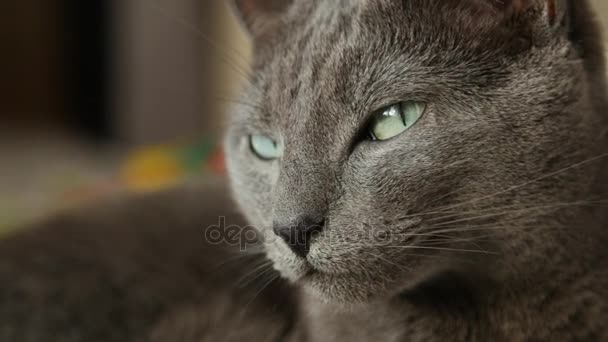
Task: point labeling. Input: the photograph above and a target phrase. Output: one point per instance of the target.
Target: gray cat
(418, 170)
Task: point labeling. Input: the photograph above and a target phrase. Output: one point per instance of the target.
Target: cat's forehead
(321, 49)
(320, 24)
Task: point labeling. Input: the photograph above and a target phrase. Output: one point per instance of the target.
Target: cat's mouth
(305, 271)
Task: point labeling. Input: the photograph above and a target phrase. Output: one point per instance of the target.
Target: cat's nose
(298, 235)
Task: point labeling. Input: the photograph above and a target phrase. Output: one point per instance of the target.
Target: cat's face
(458, 173)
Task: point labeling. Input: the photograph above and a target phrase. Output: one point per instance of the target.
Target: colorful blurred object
(148, 168)
(157, 167)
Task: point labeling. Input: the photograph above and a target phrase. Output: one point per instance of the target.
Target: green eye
(393, 120)
(264, 147)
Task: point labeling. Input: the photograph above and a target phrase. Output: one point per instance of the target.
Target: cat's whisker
(445, 249)
(543, 177)
(237, 257)
(520, 228)
(271, 280)
(435, 256)
(481, 228)
(424, 214)
(507, 212)
(434, 236)
(470, 219)
(379, 257)
(414, 234)
(453, 213)
(260, 275)
(256, 264)
(438, 239)
(254, 273)
(239, 102)
(256, 278)
(525, 207)
(427, 227)
(444, 196)
(473, 240)
(512, 224)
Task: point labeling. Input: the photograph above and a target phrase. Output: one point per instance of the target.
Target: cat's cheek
(251, 184)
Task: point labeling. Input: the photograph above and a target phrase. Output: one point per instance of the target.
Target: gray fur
(486, 221)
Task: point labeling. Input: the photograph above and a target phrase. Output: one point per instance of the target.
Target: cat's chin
(343, 289)
(328, 288)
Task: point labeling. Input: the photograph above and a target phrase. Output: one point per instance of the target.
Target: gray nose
(298, 235)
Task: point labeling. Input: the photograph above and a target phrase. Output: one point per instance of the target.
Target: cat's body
(138, 269)
(481, 217)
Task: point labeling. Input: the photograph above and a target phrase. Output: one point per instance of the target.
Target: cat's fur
(486, 221)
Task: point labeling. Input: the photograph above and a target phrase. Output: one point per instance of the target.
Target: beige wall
(238, 43)
(179, 65)
(165, 69)
(602, 8)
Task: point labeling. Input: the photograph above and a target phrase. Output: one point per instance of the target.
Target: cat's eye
(395, 119)
(265, 147)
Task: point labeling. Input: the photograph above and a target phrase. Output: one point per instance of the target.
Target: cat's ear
(552, 14)
(258, 15)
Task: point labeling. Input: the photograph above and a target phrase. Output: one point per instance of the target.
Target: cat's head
(382, 142)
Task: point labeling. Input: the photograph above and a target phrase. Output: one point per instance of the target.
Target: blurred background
(105, 96)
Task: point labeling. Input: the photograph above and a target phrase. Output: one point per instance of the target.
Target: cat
(415, 170)
(477, 214)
